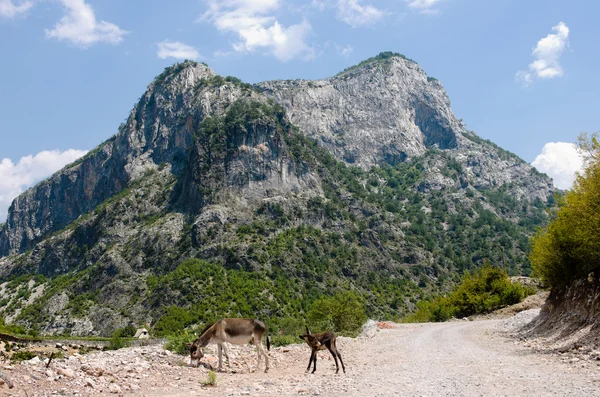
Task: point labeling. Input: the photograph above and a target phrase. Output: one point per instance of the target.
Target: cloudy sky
(521, 73)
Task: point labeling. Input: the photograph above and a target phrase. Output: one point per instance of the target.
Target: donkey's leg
(226, 355)
(258, 354)
(261, 352)
(266, 358)
(312, 354)
(220, 351)
(340, 357)
(337, 366)
(314, 362)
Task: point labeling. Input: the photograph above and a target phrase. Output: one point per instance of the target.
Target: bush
(177, 342)
(482, 291)
(22, 355)
(211, 379)
(568, 247)
(125, 332)
(343, 313)
(284, 340)
(116, 342)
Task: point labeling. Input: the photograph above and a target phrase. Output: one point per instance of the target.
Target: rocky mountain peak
(384, 109)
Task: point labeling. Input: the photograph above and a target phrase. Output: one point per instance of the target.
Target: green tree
(344, 313)
(568, 247)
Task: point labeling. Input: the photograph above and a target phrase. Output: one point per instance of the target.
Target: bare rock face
(387, 110)
(156, 130)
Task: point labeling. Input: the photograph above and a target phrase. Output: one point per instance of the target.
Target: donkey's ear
(307, 331)
(303, 337)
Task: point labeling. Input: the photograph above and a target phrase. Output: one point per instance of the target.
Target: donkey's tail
(268, 342)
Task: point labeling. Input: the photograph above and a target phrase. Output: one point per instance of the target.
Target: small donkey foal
(322, 341)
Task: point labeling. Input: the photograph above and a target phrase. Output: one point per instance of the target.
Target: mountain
(218, 197)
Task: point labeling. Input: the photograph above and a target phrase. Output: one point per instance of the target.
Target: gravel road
(459, 358)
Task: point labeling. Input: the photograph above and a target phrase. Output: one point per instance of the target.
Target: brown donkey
(237, 331)
(322, 341)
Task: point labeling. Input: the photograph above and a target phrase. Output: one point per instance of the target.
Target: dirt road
(461, 358)
(448, 359)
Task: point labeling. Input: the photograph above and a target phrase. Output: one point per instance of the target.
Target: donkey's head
(195, 351)
(310, 339)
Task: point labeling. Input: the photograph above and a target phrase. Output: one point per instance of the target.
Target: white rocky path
(461, 358)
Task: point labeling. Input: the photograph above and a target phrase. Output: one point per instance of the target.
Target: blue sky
(521, 73)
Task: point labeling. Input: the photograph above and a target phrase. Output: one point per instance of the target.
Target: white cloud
(175, 49)
(10, 9)
(355, 14)
(80, 27)
(547, 54)
(346, 51)
(257, 28)
(560, 160)
(15, 178)
(424, 6)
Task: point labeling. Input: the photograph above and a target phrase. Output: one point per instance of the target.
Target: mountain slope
(218, 198)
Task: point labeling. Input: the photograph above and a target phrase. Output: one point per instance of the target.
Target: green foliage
(173, 70)
(22, 355)
(381, 58)
(11, 329)
(218, 81)
(117, 341)
(211, 379)
(481, 291)
(284, 340)
(177, 342)
(343, 313)
(174, 320)
(568, 247)
(125, 332)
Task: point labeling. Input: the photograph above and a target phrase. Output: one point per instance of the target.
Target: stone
(34, 361)
(114, 388)
(68, 372)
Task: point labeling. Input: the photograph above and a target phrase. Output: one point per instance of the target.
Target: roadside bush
(482, 291)
(343, 313)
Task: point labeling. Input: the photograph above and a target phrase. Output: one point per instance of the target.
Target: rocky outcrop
(384, 111)
(159, 129)
(387, 110)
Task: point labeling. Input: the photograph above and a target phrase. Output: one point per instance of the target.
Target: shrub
(22, 355)
(125, 332)
(484, 290)
(116, 342)
(284, 340)
(211, 379)
(343, 313)
(177, 342)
